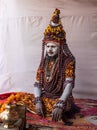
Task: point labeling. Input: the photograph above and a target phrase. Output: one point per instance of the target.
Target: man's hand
(39, 109)
(57, 114)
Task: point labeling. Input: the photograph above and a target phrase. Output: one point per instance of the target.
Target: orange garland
(27, 99)
(11, 99)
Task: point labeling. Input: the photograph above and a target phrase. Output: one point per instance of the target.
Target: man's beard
(51, 57)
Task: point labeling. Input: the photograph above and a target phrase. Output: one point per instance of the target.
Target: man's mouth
(50, 52)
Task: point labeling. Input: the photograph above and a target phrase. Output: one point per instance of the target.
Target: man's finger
(54, 116)
(42, 113)
(57, 116)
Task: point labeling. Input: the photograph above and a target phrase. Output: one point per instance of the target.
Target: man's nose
(50, 48)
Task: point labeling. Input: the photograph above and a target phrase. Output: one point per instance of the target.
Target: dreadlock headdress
(55, 32)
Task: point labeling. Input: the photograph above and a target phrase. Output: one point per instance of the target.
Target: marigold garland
(27, 99)
(55, 31)
(18, 98)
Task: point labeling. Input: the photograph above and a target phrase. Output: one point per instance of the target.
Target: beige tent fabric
(22, 24)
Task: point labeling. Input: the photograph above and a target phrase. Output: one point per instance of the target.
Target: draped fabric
(22, 24)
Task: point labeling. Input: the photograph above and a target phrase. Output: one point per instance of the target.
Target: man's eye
(53, 46)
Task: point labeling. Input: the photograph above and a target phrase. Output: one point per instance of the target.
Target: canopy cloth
(22, 24)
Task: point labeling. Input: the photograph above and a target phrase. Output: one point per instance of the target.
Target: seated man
(56, 73)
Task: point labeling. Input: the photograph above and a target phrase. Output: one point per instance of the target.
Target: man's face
(51, 49)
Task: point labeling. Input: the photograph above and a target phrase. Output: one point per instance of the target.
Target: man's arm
(68, 86)
(37, 90)
(37, 100)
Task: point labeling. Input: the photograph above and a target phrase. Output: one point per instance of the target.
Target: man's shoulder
(69, 59)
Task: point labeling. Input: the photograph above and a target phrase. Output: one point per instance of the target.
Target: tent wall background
(22, 24)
